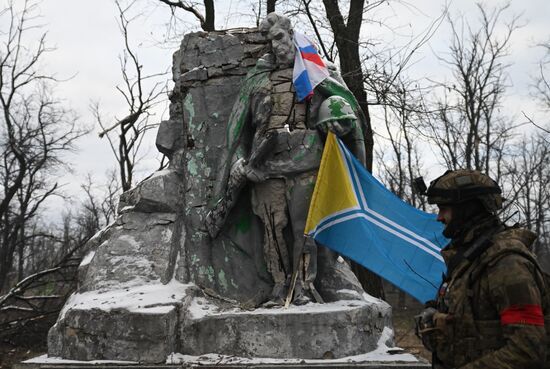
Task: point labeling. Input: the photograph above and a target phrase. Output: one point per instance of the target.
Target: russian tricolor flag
(309, 68)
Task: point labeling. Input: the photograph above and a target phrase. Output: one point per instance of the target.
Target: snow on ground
(382, 353)
(153, 298)
(201, 307)
(44, 359)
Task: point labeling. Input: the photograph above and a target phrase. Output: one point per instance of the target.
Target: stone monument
(203, 255)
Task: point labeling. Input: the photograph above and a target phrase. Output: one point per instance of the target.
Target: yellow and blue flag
(355, 215)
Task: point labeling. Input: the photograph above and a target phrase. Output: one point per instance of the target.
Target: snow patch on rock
(152, 298)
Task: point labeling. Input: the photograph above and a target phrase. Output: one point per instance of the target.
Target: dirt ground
(31, 342)
(405, 338)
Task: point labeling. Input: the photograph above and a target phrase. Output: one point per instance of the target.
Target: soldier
(489, 308)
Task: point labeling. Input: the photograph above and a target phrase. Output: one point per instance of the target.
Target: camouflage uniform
(491, 309)
(489, 306)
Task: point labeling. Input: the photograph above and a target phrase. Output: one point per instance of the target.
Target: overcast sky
(88, 42)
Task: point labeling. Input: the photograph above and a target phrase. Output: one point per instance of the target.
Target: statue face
(282, 45)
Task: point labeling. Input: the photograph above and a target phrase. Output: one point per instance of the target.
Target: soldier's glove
(425, 327)
(424, 322)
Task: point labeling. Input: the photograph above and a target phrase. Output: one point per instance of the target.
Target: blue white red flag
(309, 68)
(356, 216)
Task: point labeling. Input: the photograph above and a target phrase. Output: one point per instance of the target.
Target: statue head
(278, 29)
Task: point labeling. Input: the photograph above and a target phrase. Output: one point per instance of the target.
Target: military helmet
(335, 108)
(457, 186)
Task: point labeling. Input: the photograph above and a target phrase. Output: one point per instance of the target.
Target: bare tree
(542, 84)
(125, 135)
(401, 163)
(542, 87)
(466, 125)
(206, 21)
(35, 130)
(346, 36)
(52, 257)
(527, 179)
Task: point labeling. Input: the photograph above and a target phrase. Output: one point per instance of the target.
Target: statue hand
(255, 175)
(238, 171)
(340, 127)
(241, 171)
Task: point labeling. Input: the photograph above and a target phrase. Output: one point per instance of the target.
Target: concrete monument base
(149, 323)
(370, 365)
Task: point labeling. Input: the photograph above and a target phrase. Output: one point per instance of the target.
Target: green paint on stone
(211, 273)
(254, 81)
(311, 186)
(222, 281)
(192, 167)
(208, 272)
(300, 155)
(336, 108)
(311, 139)
(188, 105)
(243, 224)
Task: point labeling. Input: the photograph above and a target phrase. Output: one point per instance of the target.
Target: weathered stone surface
(233, 265)
(299, 147)
(254, 51)
(147, 337)
(120, 324)
(251, 36)
(136, 251)
(169, 136)
(160, 193)
(313, 331)
(215, 72)
(197, 74)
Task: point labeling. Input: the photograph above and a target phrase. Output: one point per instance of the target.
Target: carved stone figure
(157, 283)
(276, 145)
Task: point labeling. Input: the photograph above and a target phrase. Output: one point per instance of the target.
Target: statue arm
(238, 125)
(231, 174)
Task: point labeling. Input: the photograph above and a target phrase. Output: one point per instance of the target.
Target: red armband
(522, 314)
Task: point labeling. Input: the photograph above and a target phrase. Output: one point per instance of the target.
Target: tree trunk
(209, 15)
(347, 41)
(271, 6)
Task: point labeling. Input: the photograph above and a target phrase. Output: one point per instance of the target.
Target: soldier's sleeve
(515, 293)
